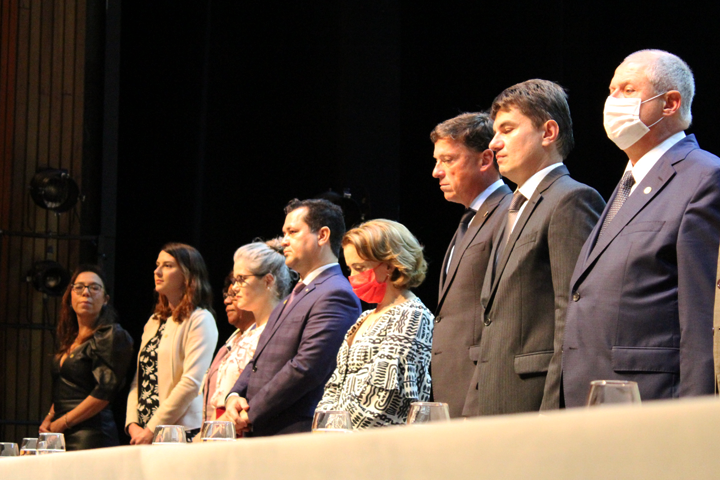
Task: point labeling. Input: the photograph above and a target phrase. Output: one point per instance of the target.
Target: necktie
(517, 202)
(298, 288)
(623, 193)
(464, 222)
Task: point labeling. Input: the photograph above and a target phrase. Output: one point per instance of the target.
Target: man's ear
(551, 131)
(487, 158)
(672, 103)
(323, 236)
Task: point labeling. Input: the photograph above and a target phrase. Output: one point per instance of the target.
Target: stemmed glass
(28, 446)
(425, 412)
(8, 449)
(604, 392)
(50, 443)
(169, 435)
(332, 421)
(217, 432)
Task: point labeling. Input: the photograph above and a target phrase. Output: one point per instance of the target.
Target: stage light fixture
(49, 277)
(53, 189)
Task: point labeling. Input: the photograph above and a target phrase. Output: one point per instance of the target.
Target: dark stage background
(229, 109)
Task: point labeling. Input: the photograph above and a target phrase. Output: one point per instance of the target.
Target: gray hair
(665, 72)
(266, 257)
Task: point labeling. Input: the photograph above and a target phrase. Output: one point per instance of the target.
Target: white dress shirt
(528, 188)
(647, 161)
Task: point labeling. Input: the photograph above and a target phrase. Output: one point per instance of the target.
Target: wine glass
(217, 432)
(169, 435)
(424, 412)
(604, 392)
(28, 446)
(52, 443)
(332, 421)
(9, 449)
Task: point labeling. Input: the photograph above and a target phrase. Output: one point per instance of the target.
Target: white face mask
(621, 118)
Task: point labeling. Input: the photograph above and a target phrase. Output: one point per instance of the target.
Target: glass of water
(217, 432)
(169, 435)
(332, 421)
(9, 449)
(605, 392)
(425, 412)
(50, 443)
(28, 446)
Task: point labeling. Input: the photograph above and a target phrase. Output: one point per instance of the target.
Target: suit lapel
(283, 310)
(484, 212)
(661, 173)
(532, 203)
(443, 275)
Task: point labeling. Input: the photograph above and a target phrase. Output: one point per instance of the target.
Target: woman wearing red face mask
(383, 364)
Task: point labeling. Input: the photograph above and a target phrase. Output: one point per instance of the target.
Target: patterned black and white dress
(148, 396)
(384, 370)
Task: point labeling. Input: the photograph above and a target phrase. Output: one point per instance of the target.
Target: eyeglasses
(242, 279)
(93, 288)
(229, 294)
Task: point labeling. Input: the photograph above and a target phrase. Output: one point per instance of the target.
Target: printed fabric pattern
(232, 365)
(148, 393)
(385, 370)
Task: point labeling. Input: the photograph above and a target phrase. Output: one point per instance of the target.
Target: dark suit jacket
(295, 356)
(526, 296)
(458, 317)
(642, 298)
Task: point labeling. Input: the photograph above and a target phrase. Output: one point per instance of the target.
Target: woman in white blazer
(176, 348)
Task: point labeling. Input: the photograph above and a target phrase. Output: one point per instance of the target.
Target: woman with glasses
(384, 363)
(89, 366)
(242, 320)
(261, 280)
(176, 348)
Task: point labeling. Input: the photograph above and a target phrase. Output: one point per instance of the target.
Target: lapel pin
(647, 190)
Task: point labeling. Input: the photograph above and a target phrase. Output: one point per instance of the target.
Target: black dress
(97, 368)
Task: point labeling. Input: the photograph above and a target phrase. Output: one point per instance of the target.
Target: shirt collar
(529, 187)
(313, 275)
(647, 161)
(477, 203)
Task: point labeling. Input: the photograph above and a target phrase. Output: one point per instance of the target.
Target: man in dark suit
(468, 175)
(279, 389)
(526, 290)
(643, 288)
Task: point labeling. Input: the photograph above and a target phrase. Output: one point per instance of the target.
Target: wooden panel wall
(41, 113)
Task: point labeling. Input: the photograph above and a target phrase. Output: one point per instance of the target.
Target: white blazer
(184, 355)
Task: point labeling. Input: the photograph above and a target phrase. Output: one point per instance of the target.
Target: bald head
(666, 72)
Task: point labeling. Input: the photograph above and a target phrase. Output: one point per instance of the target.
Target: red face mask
(366, 286)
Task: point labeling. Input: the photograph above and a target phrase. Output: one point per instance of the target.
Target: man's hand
(139, 435)
(236, 409)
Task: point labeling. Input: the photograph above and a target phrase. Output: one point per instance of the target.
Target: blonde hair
(390, 242)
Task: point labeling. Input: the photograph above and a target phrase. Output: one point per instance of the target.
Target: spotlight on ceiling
(49, 277)
(53, 189)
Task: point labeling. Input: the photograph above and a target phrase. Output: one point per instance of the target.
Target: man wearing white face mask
(642, 291)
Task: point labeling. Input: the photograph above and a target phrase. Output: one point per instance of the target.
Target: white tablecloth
(659, 440)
